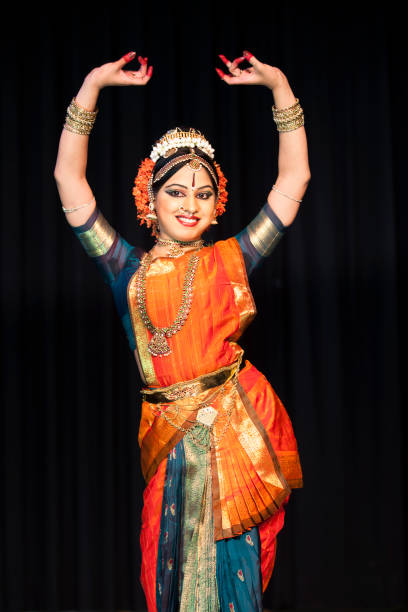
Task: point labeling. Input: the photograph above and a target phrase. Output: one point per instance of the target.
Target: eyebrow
(184, 187)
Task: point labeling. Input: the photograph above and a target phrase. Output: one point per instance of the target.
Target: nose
(190, 204)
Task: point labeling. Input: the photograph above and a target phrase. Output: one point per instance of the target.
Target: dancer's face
(185, 204)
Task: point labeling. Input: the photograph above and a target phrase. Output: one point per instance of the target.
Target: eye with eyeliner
(207, 195)
(176, 193)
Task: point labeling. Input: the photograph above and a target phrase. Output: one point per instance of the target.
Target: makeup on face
(185, 205)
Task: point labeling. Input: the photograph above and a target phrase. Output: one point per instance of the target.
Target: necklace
(158, 345)
(176, 245)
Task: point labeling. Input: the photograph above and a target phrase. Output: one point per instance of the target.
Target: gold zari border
(141, 335)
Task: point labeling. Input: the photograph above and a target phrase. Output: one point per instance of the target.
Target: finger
(125, 59)
(225, 60)
(132, 74)
(232, 66)
(243, 78)
(137, 77)
(252, 59)
(146, 78)
(220, 73)
(225, 77)
(143, 65)
(237, 61)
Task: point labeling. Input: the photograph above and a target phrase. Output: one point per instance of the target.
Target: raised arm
(70, 168)
(293, 164)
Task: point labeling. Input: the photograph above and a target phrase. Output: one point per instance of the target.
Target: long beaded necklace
(158, 345)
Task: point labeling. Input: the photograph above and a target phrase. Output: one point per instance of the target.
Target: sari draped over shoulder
(254, 461)
(215, 490)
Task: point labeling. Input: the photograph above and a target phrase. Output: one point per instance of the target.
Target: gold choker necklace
(176, 246)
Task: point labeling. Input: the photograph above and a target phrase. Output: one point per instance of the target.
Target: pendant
(207, 415)
(158, 345)
(175, 251)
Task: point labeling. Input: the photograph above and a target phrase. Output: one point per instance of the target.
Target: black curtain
(329, 330)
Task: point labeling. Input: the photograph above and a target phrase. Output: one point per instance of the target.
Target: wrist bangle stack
(78, 119)
(288, 119)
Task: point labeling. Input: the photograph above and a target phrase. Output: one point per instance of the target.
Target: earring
(214, 221)
(152, 214)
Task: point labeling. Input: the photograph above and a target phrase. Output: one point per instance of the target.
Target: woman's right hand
(112, 73)
(70, 169)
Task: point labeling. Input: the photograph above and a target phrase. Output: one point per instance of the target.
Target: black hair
(162, 161)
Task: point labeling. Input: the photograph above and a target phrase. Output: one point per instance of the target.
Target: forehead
(184, 176)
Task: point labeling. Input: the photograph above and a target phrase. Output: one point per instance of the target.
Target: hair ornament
(177, 138)
(195, 163)
(141, 191)
(222, 192)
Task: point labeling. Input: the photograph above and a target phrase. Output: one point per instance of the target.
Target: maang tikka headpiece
(166, 147)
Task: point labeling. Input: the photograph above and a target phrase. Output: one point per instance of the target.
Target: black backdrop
(330, 319)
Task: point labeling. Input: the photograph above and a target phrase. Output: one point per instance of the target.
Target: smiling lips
(187, 221)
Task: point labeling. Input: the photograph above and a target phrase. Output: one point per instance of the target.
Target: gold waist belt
(191, 388)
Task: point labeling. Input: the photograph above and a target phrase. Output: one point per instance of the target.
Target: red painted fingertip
(149, 71)
(239, 60)
(247, 55)
(129, 56)
(223, 59)
(220, 73)
(142, 60)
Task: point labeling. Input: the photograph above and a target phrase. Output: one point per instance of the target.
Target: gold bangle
(70, 210)
(289, 126)
(80, 110)
(286, 111)
(79, 120)
(76, 128)
(290, 118)
(285, 194)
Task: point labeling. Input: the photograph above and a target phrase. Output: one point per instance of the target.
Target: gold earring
(152, 213)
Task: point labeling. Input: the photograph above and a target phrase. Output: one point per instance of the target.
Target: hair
(162, 161)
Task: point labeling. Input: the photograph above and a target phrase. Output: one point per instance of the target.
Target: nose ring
(181, 208)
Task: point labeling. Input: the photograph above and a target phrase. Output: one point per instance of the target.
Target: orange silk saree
(254, 459)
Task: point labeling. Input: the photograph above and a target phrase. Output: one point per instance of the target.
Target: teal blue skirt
(193, 571)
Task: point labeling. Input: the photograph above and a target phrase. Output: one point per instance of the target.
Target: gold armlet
(99, 238)
(263, 234)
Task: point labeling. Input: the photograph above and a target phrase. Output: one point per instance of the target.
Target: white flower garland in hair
(175, 139)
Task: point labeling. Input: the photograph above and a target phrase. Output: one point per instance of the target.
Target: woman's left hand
(258, 74)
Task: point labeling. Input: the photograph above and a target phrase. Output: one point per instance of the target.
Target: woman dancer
(218, 451)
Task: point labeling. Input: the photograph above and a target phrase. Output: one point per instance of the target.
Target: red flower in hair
(140, 190)
(222, 192)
